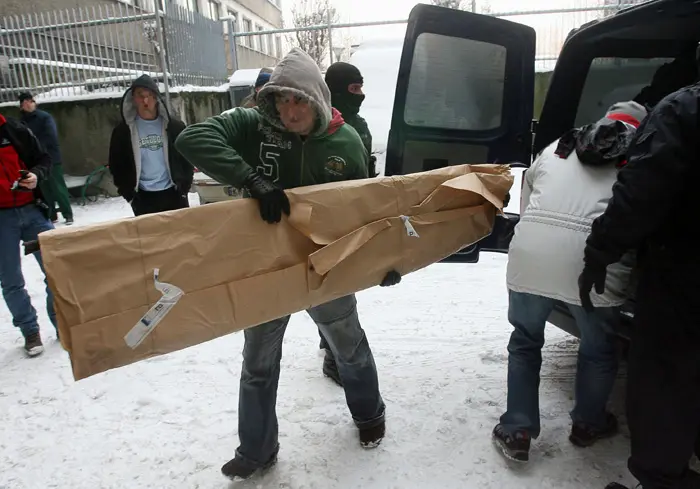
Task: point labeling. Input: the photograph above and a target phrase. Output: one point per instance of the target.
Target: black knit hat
(25, 96)
(339, 75)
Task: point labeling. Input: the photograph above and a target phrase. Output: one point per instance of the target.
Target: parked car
(209, 190)
(466, 84)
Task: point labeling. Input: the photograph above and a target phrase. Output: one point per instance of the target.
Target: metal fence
(552, 25)
(102, 48)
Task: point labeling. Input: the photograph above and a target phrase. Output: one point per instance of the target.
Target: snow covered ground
(439, 339)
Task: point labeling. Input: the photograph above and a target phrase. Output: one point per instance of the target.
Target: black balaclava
(338, 77)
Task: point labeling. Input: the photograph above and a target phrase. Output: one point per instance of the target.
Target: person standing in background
(252, 100)
(345, 83)
(147, 169)
(23, 165)
(43, 126)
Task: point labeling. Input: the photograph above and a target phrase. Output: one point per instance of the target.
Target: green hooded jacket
(231, 146)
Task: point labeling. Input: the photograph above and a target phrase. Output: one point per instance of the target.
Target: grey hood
(299, 74)
(128, 109)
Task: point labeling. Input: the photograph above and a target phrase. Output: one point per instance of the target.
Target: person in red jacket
(23, 215)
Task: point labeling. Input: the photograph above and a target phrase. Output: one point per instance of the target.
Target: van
(466, 86)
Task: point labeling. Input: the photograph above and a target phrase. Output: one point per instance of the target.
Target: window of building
(213, 10)
(234, 20)
(247, 27)
(261, 40)
(192, 5)
(278, 43)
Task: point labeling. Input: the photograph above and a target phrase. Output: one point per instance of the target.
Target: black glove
(391, 278)
(592, 275)
(272, 199)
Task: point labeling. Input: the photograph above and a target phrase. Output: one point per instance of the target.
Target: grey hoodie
(299, 74)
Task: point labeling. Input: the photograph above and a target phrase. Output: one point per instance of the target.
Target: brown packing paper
(237, 271)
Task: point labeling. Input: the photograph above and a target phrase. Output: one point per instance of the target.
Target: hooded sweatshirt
(125, 151)
(233, 145)
(565, 189)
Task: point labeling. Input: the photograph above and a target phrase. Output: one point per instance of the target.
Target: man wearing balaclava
(345, 83)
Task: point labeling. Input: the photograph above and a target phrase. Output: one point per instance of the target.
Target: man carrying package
(293, 138)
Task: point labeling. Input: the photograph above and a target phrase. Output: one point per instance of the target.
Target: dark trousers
(262, 353)
(153, 202)
(55, 193)
(663, 386)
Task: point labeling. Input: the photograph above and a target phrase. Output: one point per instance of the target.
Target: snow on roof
(242, 78)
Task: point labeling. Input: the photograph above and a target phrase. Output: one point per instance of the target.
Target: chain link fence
(102, 48)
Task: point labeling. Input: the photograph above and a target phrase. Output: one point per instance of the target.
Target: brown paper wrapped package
(237, 271)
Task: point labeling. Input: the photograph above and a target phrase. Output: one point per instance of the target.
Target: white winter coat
(559, 201)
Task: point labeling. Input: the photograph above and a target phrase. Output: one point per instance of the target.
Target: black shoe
(330, 368)
(33, 345)
(584, 436)
(515, 447)
(372, 437)
(237, 470)
(69, 221)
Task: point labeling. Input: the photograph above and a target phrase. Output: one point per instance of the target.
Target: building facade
(246, 16)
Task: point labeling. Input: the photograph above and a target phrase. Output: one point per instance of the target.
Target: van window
(612, 80)
(455, 83)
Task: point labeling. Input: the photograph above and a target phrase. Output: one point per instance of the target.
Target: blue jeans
(257, 416)
(595, 373)
(16, 225)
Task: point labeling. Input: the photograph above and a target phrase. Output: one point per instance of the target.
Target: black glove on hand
(391, 278)
(272, 199)
(592, 275)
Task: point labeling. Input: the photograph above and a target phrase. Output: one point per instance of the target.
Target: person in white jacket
(565, 189)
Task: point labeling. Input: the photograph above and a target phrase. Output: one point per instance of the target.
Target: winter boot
(237, 470)
(584, 436)
(33, 346)
(515, 446)
(372, 437)
(330, 368)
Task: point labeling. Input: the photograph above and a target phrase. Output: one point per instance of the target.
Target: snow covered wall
(85, 123)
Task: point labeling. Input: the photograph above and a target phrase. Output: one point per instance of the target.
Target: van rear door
(464, 94)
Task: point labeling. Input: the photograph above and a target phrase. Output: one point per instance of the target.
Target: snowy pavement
(439, 339)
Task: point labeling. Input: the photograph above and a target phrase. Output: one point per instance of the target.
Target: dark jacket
(43, 126)
(124, 152)
(360, 125)
(20, 150)
(655, 193)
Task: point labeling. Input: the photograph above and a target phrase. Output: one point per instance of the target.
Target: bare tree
(313, 12)
(455, 4)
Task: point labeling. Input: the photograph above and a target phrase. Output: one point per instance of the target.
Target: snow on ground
(439, 340)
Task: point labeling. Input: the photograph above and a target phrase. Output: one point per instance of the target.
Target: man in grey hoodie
(147, 169)
(293, 138)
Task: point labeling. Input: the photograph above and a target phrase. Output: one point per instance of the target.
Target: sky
(551, 28)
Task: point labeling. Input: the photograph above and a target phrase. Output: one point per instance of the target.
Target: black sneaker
(372, 437)
(515, 447)
(33, 345)
(237, 470)
(330, 368)
(69, 221)
(584, 436)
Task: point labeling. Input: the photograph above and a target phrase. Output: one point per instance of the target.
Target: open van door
(464, 94)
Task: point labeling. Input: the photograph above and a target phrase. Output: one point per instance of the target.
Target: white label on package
(409, 227)
(155, 314)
